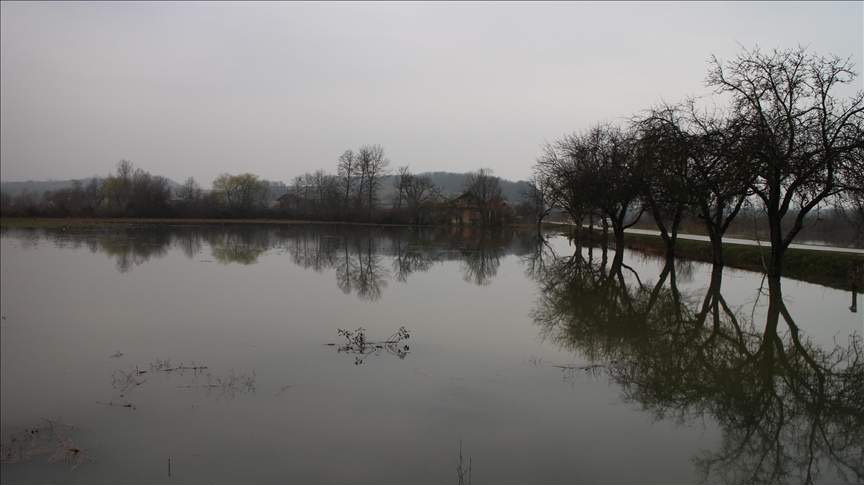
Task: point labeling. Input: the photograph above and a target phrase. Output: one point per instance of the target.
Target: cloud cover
(277, 89)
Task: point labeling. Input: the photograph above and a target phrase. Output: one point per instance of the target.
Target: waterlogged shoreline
(836, 267)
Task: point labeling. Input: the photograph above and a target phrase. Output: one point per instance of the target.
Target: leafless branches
(787, 139)
(804, 142)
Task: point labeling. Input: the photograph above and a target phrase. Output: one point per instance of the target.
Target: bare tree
(802, 134)
(403, 179)
(720, 174)
(602, 167)
(696, 160)
(372, 165)
(117, 188)
(420, 195)
(538, 195)
(347, 171)
(663, 149)
(415, 195)
(190, 192)
(484, 190)
(560, 174)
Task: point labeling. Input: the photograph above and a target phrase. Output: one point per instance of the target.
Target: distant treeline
(779, 142)
(363, 189)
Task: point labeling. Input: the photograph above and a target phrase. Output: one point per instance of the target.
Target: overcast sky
(197, 89)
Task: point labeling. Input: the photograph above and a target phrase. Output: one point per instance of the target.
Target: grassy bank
(832, 269)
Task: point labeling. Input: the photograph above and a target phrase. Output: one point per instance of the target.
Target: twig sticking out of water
(571, 371)
(463, 473)
(165, 366)
(230, 385)
(112, 403)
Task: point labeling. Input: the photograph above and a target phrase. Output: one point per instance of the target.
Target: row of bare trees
(782, 136)
(416, 196)
(361, 174)
(351, 193)
(354, 193)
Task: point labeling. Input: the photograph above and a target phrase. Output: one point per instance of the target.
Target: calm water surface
(548, 363)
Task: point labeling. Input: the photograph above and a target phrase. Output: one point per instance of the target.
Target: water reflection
(790, 411)
(243, 247)
(364, 259)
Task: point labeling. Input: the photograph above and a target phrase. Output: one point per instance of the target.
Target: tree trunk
(605, 231)
(775, 304)
(775, 262)
(618, 230)
(716, 247)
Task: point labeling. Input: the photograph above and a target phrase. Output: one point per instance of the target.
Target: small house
(466, 209)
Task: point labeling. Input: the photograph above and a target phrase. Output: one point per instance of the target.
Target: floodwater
(212, 354)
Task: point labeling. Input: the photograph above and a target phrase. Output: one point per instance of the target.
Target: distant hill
(13, 188)
(37, 187)
(453, 183)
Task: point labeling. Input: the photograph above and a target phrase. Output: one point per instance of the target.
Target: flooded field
(336, 354)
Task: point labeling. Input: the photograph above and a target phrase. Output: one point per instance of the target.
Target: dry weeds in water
(231, 385)
(126, 381)
(357, 344)
(50, 439)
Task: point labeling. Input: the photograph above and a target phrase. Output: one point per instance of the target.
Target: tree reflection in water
(481, 255)
(243, 247)
(363, 259)
(789, 410)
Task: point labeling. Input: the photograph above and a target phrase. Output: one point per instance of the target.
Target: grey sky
(279, 89)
